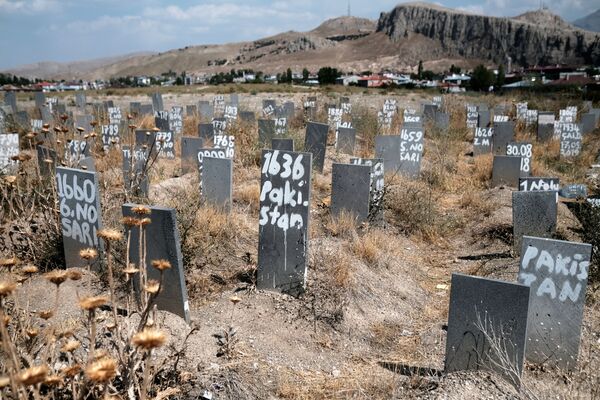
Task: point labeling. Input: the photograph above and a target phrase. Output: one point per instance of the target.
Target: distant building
(347, 80)
(457, 79)
(374, 81)
(143, 81)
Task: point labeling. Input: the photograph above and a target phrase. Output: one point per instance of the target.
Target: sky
(71, 30)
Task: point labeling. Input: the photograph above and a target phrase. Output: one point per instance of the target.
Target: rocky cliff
(526, 39)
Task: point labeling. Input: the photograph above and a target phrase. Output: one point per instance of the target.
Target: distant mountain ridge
(399, 39)
(590, 22)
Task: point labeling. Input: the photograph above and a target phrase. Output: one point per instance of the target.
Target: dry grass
(366, 248)
(342, 225)
(248, 194)
(482, 169)
(474, 201)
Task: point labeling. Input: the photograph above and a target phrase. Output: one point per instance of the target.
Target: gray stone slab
(206, 110)
(504, 133)
(284, 221)
(545, 132)
(162, 243)
(377, 186)
(86, 164)
(146, 109)
(588, 123)
(80, 212)
(442, 121)
(472, 117)
(247, 116)
(573, 191)
(218, 105)
(176, 120)
(534, 214)
(10, 99)
(523, 150)
(557, 273)
(545, 118)
(411, 149)
(191, 110)
(80, 100)
(429, 111)
(135, 178)
(165, 144)
(315, 142)
(85, 122)
(161, 120)
(46, 114)
(281, 126)
(9, 147)
(217, 176)
(482, 140)
(206, 132)
(387, 148)
(266, 131)
(538, 184)
(506, 170)
(189, 153)
(47, 160)
(234, 99)
(39, 99)
(111, 136)
(219, 125)
(282, 144)
(157, 102)
(346, 139)
(350, 190)
(484, 118)
(268, 108)
(485, 311)
(570, 140)
(22, 119)
(289, 110)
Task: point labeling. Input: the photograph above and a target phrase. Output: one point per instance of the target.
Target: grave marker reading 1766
(79, 204)
(284, 221)
(557, 273)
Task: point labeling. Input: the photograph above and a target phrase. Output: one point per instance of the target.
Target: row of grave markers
(541, 322)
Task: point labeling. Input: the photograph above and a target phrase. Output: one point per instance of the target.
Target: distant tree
(454, 69)
(179, 81)
(501, 77)
(428, 75)
(289, 75)
(366, 73)
(482, 78)
(420, 70)
(328, 75)
(305, 74)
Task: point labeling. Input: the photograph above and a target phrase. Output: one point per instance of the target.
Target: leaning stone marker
(284, 221)
(504, 133)
(157, 102)
(79, 204)
(315, 142)
(266, 131)
(217, 175)
(162, 243)
(387, 148)
(570, 140)
(346, 138)
(482, 140)
(189, 153)
(557, 273)
(350, 190)
(484, 311)
(523, 150)
(534, 214)
(506, 170)
(282, 144)
(377, 186)
(206, 132)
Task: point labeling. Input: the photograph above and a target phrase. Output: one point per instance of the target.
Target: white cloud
(28, 6)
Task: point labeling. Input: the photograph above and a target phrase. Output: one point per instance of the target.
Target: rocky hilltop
(590, 22)
(529, 39)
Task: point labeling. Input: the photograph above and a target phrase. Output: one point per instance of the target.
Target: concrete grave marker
(36, 125)
(442, 120)
(545, 132)
(429, 111)
(484, 118)
(157, 102)
(176, 120)
(315, 142)
(411, 149)
(573, 191)
(247, 116)
(506, 170)
(557, 273)
(225, 142)
(500, 118)
(231, 113)
(165, 144)
(570, 140)
(162, 243)
(350, 190)
(587, 123)
(534, 214)
(219, 105)
(161, 120)
(40, 99)
(531, 117)
(9, 147)
(346, 139)
(504, 133)
(206, 132)
(80, 212)
(217, 175)
(46, 114)
(523, 150)
(281, 126)
(191, 110)
(47, 160)
(284, 221)
(114, 115)
(85, 122)
(10, 99)
(110, 136)
(80, 100)
(538, 184)
(472, 117)
(482, 140)
(135, 178)
(206, 110)
(282, 144)
(484, 310)
(387, 148)
(219, 126)
(268, 108)
(189, 153)
(376, 190)
(266, 131)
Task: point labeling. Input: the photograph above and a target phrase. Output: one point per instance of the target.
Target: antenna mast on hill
(348, 7)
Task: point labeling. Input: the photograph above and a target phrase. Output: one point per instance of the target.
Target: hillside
(590, 22)
(398, 40)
